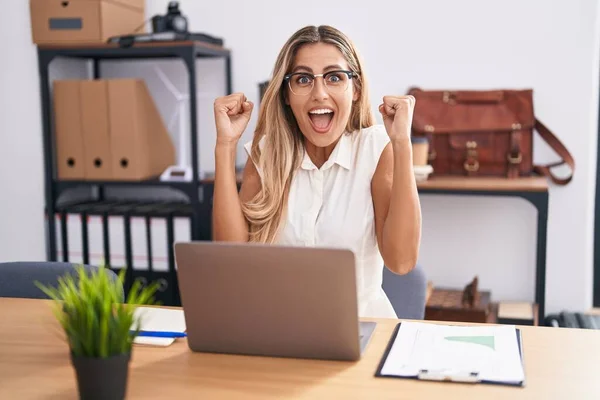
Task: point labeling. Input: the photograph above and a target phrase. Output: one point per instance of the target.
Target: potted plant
(99, 327)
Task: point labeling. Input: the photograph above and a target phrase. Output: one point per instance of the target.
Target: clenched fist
(232, 114)
(397, 112)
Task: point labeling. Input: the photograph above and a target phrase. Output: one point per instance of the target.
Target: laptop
(271, 300)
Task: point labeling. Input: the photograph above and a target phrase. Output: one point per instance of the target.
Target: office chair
(407, 293)
(17, 279)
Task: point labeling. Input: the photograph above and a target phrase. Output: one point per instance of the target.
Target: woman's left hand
(397, 112)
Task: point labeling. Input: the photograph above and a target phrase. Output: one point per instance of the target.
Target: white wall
(21, 162)
(550, 47)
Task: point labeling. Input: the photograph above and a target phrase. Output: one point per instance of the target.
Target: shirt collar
(341, 155)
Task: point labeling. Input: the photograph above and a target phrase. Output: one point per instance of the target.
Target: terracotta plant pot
(102, 378)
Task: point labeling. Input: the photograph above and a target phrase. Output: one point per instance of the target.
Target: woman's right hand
(232, 114)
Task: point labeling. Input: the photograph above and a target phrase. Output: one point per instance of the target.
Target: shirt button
(319, 181)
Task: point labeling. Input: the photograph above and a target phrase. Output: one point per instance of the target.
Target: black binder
(471, 378)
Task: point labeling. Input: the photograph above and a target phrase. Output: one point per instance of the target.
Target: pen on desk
(162, 334)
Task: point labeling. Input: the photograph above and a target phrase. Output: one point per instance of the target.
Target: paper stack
(159, 320)
(487, 354)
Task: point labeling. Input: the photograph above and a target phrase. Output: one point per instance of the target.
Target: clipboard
(465, 377)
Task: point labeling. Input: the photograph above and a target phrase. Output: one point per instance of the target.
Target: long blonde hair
(283, 141)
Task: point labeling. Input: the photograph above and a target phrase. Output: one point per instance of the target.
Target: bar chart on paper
(492, 353)
(487, 341)
(437, 350)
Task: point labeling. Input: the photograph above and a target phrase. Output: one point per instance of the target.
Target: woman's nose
(319, 89)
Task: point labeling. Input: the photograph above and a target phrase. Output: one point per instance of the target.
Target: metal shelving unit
(197, 192)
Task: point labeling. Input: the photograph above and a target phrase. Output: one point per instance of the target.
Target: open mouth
(321, 119)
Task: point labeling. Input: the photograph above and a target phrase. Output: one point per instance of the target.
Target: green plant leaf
(88, 305)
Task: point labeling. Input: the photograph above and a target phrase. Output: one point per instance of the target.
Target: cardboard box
(84, 21)
(109, 129)
(517, 313)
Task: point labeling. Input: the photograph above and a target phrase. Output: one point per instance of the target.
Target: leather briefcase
(484, 133)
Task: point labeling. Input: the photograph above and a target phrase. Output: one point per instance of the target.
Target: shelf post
(44, 60)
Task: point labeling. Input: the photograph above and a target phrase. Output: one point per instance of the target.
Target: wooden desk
(34, 364)
(533, 189)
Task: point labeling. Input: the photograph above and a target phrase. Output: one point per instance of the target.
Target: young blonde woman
(320, 172)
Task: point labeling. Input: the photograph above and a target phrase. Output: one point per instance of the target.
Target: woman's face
(322, 112)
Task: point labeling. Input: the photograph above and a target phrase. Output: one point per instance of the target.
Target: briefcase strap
(560, 149)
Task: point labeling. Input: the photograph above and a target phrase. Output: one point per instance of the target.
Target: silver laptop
(255, 299)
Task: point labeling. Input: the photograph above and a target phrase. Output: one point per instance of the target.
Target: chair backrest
(407, 293)
(17, 279)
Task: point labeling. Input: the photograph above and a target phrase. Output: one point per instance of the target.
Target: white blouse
(332, 206)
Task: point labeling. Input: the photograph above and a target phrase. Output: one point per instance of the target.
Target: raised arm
(394, 190)
(232, 114)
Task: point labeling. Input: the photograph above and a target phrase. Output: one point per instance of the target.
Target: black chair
(17, 279)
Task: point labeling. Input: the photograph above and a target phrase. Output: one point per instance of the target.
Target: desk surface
(560, 364)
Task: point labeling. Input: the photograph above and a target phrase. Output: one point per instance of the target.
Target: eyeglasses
(302, 83)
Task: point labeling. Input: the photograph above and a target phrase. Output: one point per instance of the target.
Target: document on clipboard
(476, 354)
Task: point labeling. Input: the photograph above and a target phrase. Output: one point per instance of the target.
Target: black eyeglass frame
(351, 75)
